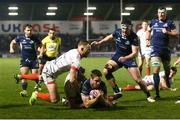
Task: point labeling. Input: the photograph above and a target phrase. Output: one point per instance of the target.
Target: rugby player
(94, 91)
(28, 45)
(162, 29)
(145, 49)
(148, 79)
(69, 61)
(126, 51)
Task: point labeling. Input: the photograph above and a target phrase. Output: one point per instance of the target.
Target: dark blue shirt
(124, 45)
(28, 47)
(86, 88)
(159, 39)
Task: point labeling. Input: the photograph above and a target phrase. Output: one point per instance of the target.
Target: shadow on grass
(117, 108)
(169, 98)
(12, 106)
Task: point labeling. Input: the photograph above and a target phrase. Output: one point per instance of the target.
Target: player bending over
(69, 61)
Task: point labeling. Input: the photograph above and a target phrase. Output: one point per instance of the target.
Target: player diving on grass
(148, 79)
(126, 51)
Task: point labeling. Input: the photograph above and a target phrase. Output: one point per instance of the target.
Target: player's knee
(108, 69)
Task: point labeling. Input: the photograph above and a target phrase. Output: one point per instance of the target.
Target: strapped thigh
(155, 63)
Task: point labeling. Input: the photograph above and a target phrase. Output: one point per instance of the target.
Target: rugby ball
(93, 94)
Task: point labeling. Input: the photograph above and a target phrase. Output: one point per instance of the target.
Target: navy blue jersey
(123, 45)
(159, 39)
(86, 88)
(28, 47)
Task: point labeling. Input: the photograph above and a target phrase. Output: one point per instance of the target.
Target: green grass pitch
(132, 105)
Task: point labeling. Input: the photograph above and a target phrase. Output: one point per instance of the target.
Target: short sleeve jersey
(159, 39)
(124, 44)
(63, 63)
(86, 88)
(28, 46)
(142, 37)
(52, 46)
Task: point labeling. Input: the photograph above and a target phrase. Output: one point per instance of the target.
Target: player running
(28, 44)
(126, 51)
(162, 28)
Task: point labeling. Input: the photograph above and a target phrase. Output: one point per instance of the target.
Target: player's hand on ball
(94, 94)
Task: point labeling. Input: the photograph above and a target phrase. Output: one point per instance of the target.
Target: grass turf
(132, 105)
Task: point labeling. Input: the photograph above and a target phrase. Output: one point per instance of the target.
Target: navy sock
(116, 89)
(24, 85)
(167, 72)
(156, 82)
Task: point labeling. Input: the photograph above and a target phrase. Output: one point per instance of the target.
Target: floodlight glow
(50, 13)
(168, 8)
(88, 13)
(52, 8)
(91, 8)
(125, 14)
(13, 8)
(129, 8)
(12, 13)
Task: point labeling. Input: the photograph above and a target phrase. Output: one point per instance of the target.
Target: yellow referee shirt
(52, 46)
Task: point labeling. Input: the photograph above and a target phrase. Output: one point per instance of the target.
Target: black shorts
(127, 64)
(163, 53)
(31, 64)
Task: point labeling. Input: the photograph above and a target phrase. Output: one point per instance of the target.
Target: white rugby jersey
(142, 36)
(63, 63)
(148, 79)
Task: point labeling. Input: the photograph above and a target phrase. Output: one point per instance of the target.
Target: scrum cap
(126, 24)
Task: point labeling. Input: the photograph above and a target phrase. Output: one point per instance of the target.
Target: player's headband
(125, 26)
(162, 10)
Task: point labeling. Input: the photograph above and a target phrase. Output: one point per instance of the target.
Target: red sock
(30, 76)
(44, 96)
(148, 71)
(129, 88)
(110, 98)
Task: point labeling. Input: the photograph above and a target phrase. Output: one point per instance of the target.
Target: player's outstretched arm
(12, 46)
(107, 38)
(176, 62)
